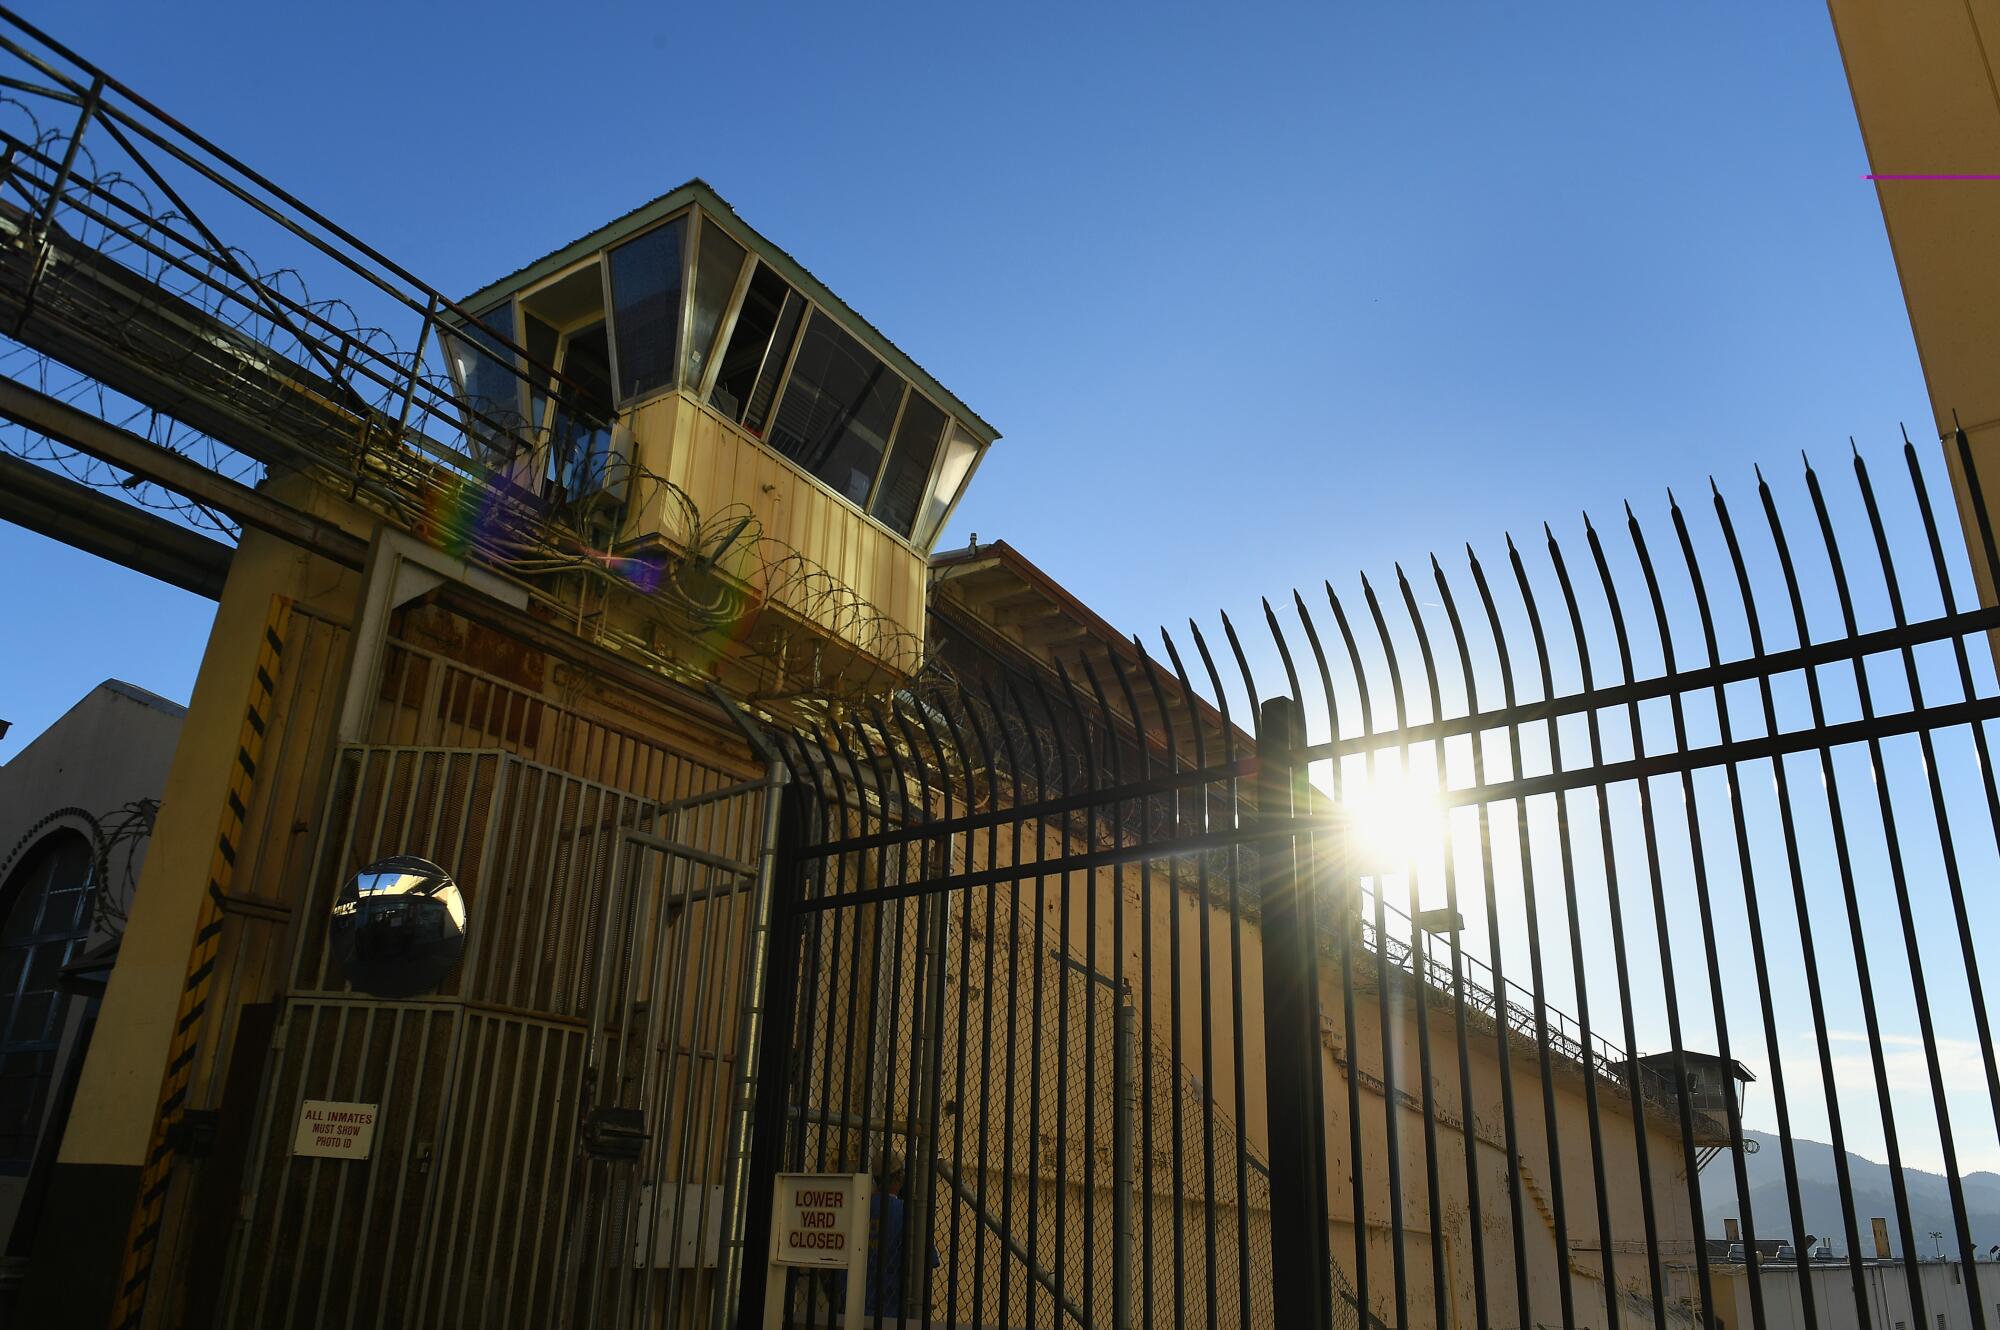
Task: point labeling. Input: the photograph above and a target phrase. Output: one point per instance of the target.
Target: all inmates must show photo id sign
(819, 1221)
(329, 1129)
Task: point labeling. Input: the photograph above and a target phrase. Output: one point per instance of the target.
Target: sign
(819, 1221)
(329, 1129)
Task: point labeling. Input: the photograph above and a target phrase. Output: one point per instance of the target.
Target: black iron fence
(1467, 976)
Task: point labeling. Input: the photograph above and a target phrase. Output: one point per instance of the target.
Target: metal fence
(1489, 927)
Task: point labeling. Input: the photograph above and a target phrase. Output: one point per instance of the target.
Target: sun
(1391, 819)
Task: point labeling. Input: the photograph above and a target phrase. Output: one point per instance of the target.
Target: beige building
(77, 805)
(540, 622)
(1885, 1290)
(1922, 78)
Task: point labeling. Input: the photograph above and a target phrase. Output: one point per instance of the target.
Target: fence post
(1126, 1093)
(1301, 1252)
(768, 1118)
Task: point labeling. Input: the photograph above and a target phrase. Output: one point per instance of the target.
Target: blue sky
(1257, 296)
(1253, 302)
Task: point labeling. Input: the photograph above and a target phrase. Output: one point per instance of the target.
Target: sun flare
(1391, 818)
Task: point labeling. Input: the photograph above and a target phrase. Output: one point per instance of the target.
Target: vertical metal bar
(1345, 922)
(1063, 838)
(736, 1197)
(1144, 1016)
(1234, 883)
(716, 913)
(1933, 779)
(780, 1015)
(327, 1068)
(1035, 1024)
(1585, 1038)
(860, 1109)
(1690, 1164)
(1911, 1256)
(1296, 1113)
(1558, 1205)
(373, 1188)
(1388, 997)
(985, 756)
(926, 1087)
(1123, 1225)
(360, 1087)
(1975, 986)
(1205, 989)
(1086, 823)
(1127, 1098)
(1012, 765)
(1699, 863)
(1780, 1098)
(1419, 949)
(1830, 783)
(832, 798)
(1607, 849)
(890, 1007)
(1502, 1031)
(1176, 1150)
(1468, 1121)
(428, 1018)
(1733, 1113)
(525, 1258)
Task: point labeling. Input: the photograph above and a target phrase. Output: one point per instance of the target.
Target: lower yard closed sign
(818, 1220)
(821, 1219)
(329, 1129)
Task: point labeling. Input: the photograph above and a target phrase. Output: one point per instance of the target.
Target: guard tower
(744, 444)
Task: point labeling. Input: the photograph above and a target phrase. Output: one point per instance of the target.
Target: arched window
(44, 919)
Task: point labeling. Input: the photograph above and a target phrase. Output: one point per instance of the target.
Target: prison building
(629, 618)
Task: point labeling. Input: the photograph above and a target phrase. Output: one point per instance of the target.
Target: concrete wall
(1885, 1287)
(109, 750)
(1552, 1135)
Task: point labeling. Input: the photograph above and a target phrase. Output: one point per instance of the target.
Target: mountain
(1819, 1198)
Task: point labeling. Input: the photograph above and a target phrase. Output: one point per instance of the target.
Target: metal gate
(566, 1073)
(1437, 984)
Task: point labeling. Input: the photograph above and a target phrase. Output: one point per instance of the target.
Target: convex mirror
(398, 927)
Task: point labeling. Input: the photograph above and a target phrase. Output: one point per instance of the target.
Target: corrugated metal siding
(720, 468)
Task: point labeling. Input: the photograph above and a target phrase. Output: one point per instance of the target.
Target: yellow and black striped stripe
(143, 1235)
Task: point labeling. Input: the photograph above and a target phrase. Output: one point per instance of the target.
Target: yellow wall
(726, 475)
(118, 1093)
(1922, 76)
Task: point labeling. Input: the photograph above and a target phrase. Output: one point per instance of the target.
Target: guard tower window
(901, 492)
(44, 918)
(646, 308)
(838, 409)
(569, 364)
(541, 342)
(759, 347)
(484, 369)
(580, 440)
(717, 266)
(961, 450)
